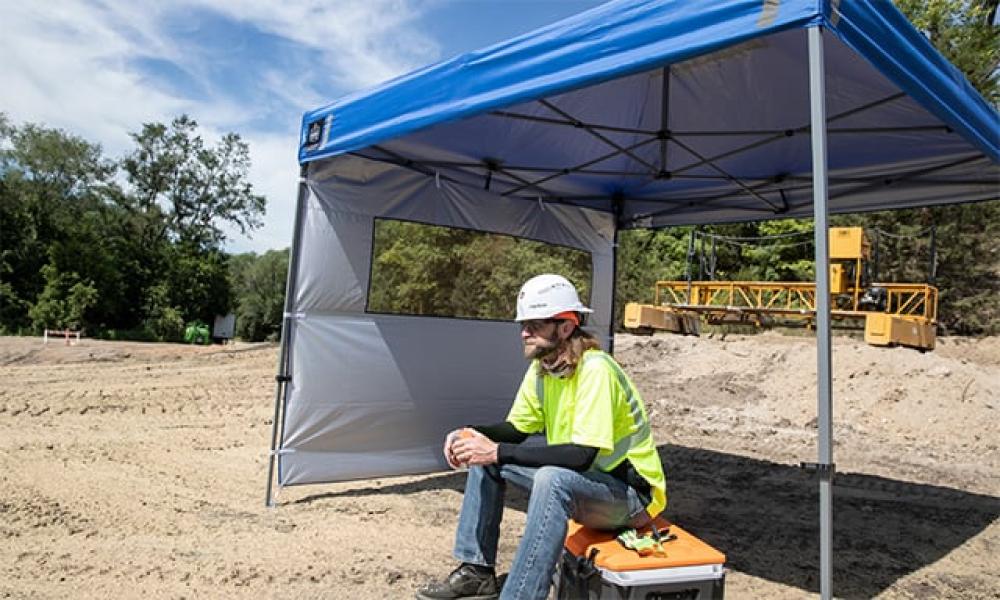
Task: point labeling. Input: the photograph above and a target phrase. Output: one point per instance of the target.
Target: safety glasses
(533, 326)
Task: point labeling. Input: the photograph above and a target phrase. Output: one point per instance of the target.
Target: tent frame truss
(493, 171)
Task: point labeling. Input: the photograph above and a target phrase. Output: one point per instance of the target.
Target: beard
(542, 348)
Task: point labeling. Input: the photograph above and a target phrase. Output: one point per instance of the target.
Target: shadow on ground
(764, 516)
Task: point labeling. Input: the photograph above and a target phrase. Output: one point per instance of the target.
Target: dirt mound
(749, 386)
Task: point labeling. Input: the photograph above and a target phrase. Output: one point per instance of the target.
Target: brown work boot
(470, 582)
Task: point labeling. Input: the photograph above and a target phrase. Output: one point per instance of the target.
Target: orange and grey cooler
(595, 566)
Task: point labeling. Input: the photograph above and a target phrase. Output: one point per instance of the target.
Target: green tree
(414, 267)
(432, 270)
(63, 302)
(965, 33)
(188, 190)
(259, 286)
(198, 282)
(966, 253)
(146, 257)
(787, 258)
(644, 257)
(182, 193)
(490, 269)
(163, 321)
(55, 191)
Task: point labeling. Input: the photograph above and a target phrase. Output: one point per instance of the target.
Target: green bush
(127, 335)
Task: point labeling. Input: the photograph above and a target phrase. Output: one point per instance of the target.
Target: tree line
(954, 247)
(128, 248)
(431, 270)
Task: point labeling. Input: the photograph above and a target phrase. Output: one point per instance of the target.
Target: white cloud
(74, 64)
(66, 67)
(363, 41)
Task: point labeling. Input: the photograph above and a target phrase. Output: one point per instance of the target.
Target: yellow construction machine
(894, 313)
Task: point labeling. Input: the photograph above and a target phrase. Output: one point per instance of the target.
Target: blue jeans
(592, 498)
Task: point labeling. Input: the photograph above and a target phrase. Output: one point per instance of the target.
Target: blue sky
(102, 68)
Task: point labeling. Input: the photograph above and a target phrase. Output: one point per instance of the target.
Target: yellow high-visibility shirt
(596, 406)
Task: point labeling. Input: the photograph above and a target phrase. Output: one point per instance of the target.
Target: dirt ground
(138, 470)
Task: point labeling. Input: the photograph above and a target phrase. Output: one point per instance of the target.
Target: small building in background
(224, 328)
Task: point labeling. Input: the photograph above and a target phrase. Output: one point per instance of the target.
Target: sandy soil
(138, 470)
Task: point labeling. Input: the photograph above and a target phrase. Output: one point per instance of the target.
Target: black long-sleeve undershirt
(504, 431)
(512, 450)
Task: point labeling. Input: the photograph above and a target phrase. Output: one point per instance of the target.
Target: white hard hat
(545, 296)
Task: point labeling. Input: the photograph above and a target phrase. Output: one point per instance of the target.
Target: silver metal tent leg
(284, 377)
(618, 205)
(817, 97)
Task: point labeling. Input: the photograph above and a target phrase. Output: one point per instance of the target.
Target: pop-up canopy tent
(637, 113)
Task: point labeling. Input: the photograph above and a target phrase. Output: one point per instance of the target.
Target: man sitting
(599, 465)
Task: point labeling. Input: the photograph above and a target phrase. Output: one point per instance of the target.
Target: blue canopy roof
(685, 112)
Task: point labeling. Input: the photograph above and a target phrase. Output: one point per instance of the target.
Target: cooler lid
(684, 551)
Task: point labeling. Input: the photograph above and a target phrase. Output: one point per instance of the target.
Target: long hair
(571, 350)
(579, 342)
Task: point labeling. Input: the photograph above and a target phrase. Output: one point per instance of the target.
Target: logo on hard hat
(552, 286)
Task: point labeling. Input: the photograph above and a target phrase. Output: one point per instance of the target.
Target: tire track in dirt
(24, 514)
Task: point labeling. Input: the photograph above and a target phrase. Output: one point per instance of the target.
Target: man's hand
(449, 454)
(473, 448)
